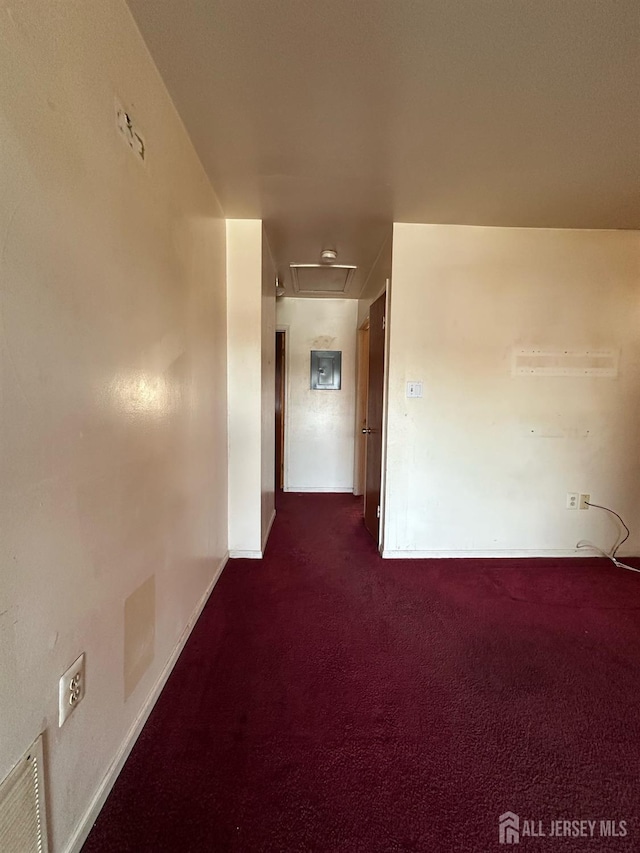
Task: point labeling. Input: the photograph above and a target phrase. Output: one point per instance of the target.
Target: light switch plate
(414, 389)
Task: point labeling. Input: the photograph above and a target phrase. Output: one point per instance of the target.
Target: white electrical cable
(583, 543)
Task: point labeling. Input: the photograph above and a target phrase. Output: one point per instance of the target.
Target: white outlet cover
(71, 690)
(573, 499)
(414, 389)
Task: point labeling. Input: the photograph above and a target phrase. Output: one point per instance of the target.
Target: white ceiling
(330, 119)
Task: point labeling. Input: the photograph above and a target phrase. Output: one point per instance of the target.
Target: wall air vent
(321, 279)
(23, 827)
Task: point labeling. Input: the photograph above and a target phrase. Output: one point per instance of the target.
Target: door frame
(362, 393)
(385, 412)
(386, 290)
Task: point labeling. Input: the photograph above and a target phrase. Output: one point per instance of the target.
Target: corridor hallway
(329, 700)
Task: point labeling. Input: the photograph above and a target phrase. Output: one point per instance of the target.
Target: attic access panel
(321, 278)
(326, 368)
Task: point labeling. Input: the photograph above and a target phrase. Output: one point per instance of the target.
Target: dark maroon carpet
(329, 700)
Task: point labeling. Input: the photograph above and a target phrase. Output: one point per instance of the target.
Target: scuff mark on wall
(139, 633)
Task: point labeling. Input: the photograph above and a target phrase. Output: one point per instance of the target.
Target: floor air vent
(23, 827)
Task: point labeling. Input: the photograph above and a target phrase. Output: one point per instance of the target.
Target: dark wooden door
(374, 417)
(280, 380)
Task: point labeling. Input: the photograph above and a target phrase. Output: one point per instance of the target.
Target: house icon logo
(509, 827)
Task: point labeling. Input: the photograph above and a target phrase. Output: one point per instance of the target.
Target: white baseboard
(488, 554)
(268, 531)
(239, 554)
(321, 489)
(99, 798)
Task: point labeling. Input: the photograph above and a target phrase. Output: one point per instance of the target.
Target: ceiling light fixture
(328, 256)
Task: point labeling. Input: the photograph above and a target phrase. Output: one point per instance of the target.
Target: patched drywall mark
(165, 352)
(542, 361)
(323, 342)
(139, 633)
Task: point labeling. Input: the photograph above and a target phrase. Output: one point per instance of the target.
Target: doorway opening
(280, 402)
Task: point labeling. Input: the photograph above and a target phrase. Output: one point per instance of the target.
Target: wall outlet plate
(584, 501)
(71, 689)
(572, 500)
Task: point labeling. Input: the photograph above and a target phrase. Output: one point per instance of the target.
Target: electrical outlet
(71, 689)
(584, 501)
(572, 500)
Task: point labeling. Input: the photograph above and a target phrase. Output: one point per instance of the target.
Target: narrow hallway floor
(328, 700)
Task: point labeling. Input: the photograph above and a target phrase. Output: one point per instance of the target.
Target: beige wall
(113, 381)
(251, 386)
(244, 328)
(319, 440)
(483, 462)
(268, 384)
(377, 279)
